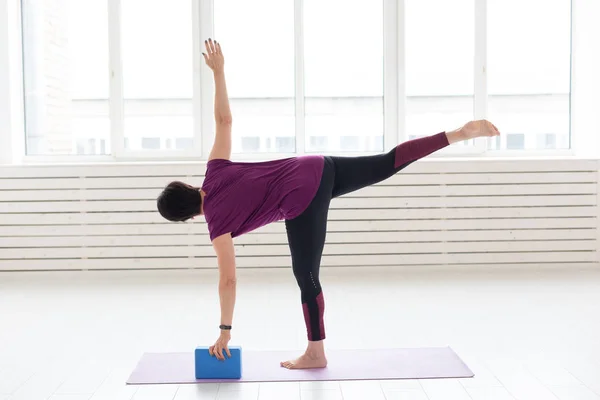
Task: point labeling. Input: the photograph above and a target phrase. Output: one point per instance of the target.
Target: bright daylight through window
(67, 74)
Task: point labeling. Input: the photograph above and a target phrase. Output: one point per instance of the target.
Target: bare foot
(306, 361)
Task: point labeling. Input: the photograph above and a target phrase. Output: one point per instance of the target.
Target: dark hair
(179, 202)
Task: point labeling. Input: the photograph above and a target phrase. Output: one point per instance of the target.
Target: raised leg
(354, 173)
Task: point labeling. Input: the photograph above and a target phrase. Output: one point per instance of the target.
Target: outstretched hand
(214, 56)
(480, 128)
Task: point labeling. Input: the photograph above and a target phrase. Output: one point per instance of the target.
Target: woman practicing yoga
(237, 198)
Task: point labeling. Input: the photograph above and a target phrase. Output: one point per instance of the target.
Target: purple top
(241, 197)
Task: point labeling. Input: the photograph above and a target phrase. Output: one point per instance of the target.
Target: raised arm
(223, 120)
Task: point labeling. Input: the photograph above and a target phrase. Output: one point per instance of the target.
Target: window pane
(65, 62)
(529, 72)
(157, 73)
(439, 65)
(260, 80)
(343, 75)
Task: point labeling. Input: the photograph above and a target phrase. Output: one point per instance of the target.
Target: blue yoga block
(208, 367)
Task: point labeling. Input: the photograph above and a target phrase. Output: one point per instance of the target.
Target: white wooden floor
(526, 335)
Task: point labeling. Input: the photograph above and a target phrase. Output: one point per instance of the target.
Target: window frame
(202, 26)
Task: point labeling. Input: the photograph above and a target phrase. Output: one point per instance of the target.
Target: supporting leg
(306, 238)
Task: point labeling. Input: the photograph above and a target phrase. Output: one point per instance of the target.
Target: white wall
(437, 212)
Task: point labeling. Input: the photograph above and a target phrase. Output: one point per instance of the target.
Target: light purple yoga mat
(263, 366)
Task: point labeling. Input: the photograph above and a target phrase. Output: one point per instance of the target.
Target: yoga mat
(263, 366)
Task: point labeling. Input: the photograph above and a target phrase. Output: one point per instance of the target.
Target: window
(150, 143)
(184, 143)
(318, 143)
(439, 56)
(515, 141)
(157, 69)
(260, 81)
(343, 70)
(529, 70)
(285, 144)
(122, 77)
(350, 143)
(546, 141)
(65, 59)
(250, 144)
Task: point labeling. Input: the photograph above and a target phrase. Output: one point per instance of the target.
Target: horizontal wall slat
(462, 202)
(340, 203)
(337, 212)
(394, 214)
(475, 190)
(129, 229)
(116, 182)
(109, 169)
(79, 194)
(429, 165)
(77, 206)
(134, 235)
(283, 250)
(462, 213)
(489, 178)
(284, 262)
(334, 226)
(454, 166)
(370, 192)
(103, 241)
(400, 179)
(428, 236)
(425, 248)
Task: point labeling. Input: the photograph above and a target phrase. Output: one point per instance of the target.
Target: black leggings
(306, 233)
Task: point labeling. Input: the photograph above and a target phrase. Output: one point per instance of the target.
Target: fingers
(488, 128)
(493, 128)
(210, 47)
(216, 352)
(496, 129)
(228, 352)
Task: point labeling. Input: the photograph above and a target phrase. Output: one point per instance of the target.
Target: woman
(237, 198)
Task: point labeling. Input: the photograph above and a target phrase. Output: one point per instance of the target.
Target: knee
(310, 288)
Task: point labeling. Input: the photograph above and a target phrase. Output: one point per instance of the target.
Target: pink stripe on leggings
(419, 148)
(320, 302)
(321, 306)
(307, 319)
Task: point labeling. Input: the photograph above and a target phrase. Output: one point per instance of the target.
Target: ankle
(315, 350)
(315, 355)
